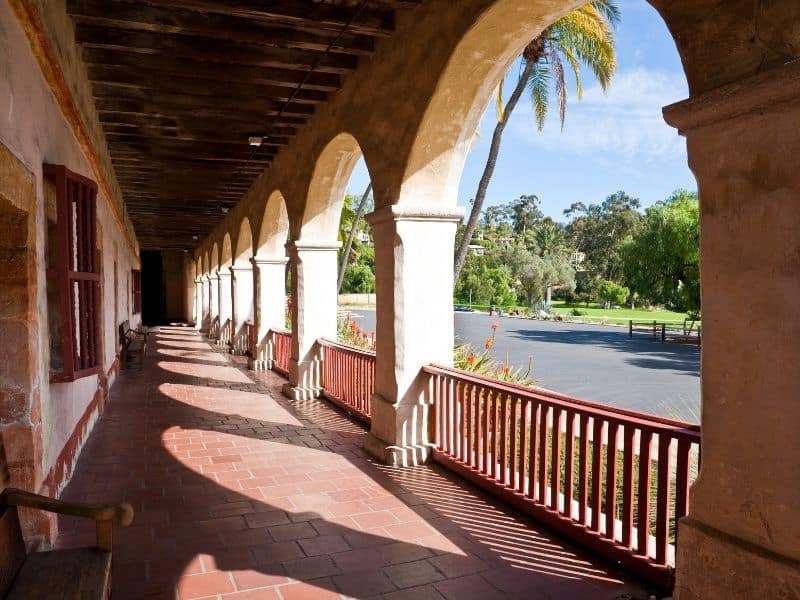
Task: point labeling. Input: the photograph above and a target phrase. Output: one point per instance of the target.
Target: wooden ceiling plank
(176, 21)
(199, 49)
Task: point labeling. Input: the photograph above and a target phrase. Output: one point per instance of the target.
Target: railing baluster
(504, 438)
(597, 472)
(512, 462)
(555, 459)
(627, 486)
(543, 454)
(569, 462)
(524, 429)
(682, 480)
(643, 513)
(536, 415)
(493, 427)
(611, 478)
(470, 435)
(662, 504)
(583, 476)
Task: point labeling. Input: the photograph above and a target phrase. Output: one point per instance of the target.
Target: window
(73, 279)
(137, 291)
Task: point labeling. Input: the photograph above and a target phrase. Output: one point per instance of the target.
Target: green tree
(599, 230)
(610, 293)
(582, 37)
(662, 261)
(485, 281)
(537, 274)
(353, 219)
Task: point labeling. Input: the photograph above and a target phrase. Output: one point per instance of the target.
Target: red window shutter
(76, 273)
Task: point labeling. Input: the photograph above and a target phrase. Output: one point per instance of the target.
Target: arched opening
(243, 289)
(213, 293)
(430, 185)
(322, 254)
(226, 332)
(271, 279)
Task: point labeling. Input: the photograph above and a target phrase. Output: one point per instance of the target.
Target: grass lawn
(621, 314)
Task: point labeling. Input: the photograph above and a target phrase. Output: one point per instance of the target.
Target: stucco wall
(34, 129)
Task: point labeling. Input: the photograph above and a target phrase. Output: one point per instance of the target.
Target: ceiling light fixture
(256, 140)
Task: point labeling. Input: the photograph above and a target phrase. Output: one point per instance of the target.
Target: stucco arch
(327, 188)
(244, 244)
(226, 254)
(214, 257)
(274, 227)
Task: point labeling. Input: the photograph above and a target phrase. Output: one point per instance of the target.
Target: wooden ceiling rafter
(180, 85)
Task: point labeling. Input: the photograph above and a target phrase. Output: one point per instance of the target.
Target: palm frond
(560, 83)
(539, 85)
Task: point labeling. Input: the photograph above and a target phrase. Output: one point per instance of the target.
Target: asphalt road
(592, 362)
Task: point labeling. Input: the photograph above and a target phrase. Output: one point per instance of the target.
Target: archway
(242, 288)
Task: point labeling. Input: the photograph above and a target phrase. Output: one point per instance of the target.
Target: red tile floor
(241, 493)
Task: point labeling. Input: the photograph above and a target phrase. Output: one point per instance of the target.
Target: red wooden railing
(615, 480)
(280, 350)
(348, 377)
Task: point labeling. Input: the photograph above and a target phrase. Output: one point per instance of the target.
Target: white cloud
(626, 122)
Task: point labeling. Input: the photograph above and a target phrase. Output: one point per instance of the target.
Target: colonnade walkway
(241, 493)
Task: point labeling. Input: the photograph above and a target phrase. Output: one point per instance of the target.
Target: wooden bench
(80, 573)
(133, 344)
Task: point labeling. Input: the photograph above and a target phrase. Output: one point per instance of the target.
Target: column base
(396, 456)
(297, 392)
(714, 564)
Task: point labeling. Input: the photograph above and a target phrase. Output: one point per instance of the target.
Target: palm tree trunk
(362, 205)
(488, 170)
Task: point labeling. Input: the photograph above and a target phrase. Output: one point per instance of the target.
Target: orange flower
(495, 325)
(489, 343)
(353, 326)
(506, 370)
(471, 359)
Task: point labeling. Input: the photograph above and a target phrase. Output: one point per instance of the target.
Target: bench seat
(78, 574)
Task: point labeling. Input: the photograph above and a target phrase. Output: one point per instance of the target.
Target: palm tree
(583, 37)
(350, 221)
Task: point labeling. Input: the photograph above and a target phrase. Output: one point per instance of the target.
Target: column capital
(212, 276)
(246, 267)
(313, 246)
(752, 94)
(426, 214)
(224, 272)
(278, 260)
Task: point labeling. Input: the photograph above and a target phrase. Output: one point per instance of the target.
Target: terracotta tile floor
(240, 493)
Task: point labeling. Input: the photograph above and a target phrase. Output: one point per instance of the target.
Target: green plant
(350, 334)
(481, 363)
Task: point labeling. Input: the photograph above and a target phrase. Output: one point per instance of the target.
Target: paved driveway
(593, 362)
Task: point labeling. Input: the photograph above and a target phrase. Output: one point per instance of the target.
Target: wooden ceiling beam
(372, 20)
(112, 81)
(187, 67)
(199, 49)
(176, 103)
(196, 129)
(206, 139)
(154, 19)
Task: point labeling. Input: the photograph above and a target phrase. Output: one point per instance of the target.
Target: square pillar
(243, 304)
(741, 538)
(198, 303)
(213, 305)
(314, 302)
(414, 271)
(225, 304)
(270, 302)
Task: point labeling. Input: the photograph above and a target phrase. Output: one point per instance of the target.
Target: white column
(197, 308)
(225, 302)
(213, 305)
(314, 301)
(204, 320)
(243, 303)
(270, 307)
(414, 276)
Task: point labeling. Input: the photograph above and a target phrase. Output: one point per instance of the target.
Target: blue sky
(613, 141)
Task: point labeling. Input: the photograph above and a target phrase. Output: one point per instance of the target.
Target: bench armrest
(104, 515)
(121, 513)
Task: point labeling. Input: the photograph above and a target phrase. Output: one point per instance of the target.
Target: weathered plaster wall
(34, 129)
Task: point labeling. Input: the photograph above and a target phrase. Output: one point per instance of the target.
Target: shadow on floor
(236, 488)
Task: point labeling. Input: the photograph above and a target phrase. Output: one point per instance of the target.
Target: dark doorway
(154, 310)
